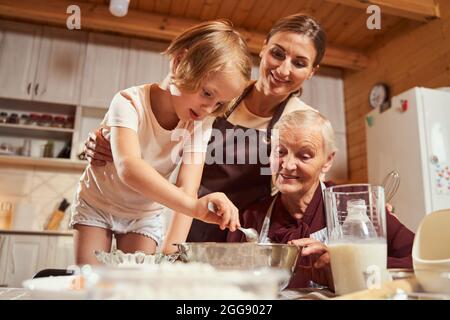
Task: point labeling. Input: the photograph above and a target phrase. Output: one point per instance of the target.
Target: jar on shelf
(46, 120)
(69, 123)
(3, 117)
(23, 118)
(13, 118)
(48, 149)
(59, 122)
(33, 119)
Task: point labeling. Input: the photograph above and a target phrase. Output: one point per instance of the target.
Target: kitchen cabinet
(60, 67)
(17, 70)
(49, 66)
(25, 253)
(104, 69)
(146, 63)
(61, 252)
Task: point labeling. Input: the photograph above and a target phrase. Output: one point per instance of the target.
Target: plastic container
(431, 254)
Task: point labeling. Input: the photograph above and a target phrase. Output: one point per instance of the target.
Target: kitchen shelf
(39, 128)
(67, 233)
(43, 162)
(22, 130)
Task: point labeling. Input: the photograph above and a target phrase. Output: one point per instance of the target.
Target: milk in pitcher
(357, 265)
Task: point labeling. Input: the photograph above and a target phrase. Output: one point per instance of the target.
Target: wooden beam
(421, 10)
(97, 17)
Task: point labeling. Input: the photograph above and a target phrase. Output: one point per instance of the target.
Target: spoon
(250, 234)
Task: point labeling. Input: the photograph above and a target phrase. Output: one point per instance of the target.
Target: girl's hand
(313, 247)
(97, 147)
(226, 215)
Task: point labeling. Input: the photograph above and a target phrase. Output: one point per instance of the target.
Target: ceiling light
(119, 8)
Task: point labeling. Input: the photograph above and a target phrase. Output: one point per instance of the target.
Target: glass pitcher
(356, 224)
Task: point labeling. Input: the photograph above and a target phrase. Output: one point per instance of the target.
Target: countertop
(67, 233)
(291, 294)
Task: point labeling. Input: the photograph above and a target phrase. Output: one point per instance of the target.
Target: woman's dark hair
(304, 25)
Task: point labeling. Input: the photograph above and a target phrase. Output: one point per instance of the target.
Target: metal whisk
(390, 184)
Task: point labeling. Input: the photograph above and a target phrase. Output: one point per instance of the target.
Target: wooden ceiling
(344, 21)
(350, 41)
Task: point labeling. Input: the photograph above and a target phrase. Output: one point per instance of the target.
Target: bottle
(26, 148)
(57, 216)
(48, 149)
(65, 152)
(357, 224)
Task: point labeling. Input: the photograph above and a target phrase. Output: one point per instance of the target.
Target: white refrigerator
(413, 138)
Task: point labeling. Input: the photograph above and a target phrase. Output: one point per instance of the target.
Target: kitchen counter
(67, 233)
(14, 294)
(291, 294)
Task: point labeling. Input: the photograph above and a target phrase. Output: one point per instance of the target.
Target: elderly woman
(302, 152)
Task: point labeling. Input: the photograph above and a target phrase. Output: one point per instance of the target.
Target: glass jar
(3, 117)
(69, 122)
(24, 119)
(13, 118)
(58, 122)
(46, 120)
(33, 119)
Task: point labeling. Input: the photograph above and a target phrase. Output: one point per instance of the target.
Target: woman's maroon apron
(243, 183)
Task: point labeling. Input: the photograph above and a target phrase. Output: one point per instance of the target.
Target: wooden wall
(418, 58)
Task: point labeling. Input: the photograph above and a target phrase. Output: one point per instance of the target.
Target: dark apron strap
(277, 115)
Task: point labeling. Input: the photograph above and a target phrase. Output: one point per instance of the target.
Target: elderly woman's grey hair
(310, 118)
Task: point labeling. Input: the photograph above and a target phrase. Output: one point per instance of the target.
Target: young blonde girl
(210, 66)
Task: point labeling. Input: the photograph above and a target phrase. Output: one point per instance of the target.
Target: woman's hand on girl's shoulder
(97, 147)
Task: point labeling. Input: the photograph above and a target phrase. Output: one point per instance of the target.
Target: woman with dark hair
(291, 54)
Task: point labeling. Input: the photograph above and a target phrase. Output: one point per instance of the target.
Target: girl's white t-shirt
(101, 187)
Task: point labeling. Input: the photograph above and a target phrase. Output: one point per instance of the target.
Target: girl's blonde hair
(312, 119)
(208, 47)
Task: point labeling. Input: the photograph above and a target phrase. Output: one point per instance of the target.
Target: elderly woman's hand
(390, 209)
(314, 247)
